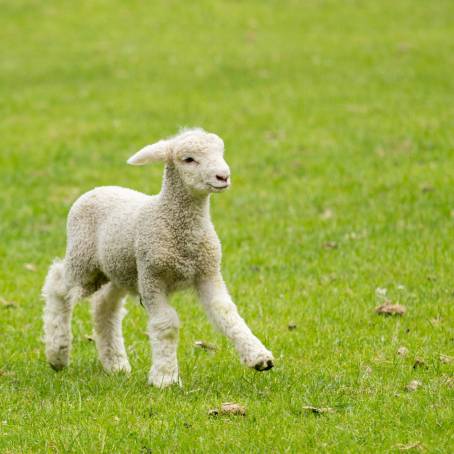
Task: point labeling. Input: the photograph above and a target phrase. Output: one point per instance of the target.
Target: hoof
(164, 380)
(58, 358)
(57, 367)
(115, 363)
(264, 365)
(118, 368)
(259, 360)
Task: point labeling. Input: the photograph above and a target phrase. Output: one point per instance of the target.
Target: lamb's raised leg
(163, 327)
(224, 315)
(58, 308)
(108, 313)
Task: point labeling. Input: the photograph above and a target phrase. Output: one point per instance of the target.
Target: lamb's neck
(179, 202)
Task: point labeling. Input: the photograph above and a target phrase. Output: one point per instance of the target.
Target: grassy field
(338, 120)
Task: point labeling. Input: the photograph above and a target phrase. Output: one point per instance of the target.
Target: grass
(338, 123)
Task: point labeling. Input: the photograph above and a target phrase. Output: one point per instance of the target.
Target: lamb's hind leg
(60, 301)
(108, 313)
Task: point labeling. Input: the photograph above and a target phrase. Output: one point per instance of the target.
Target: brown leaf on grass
(7, 373)
(327, 214)
(291, 326)
(205, 345)
(417, 445)
(402, 351)
(419, 362)
(231, 408)
(8, 304)
(427, 188)
(437, 321)
(228, 408)
(390, 309)
(318, 410)
(330, 245)
(413, 385)
(30, 267)
(446, 359)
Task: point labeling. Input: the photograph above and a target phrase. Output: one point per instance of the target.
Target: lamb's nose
(223, 178)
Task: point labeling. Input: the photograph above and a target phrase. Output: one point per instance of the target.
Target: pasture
(338, 122)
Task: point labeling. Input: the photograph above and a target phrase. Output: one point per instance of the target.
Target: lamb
(121, 241)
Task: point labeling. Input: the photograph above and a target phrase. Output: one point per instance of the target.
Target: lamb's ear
(151, 153)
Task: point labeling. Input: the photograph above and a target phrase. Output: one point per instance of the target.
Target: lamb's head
(198, 157)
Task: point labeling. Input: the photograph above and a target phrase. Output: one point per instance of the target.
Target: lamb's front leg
(224, 315)
(163, 327)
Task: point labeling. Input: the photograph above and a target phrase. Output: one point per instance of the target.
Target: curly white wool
(121, 241)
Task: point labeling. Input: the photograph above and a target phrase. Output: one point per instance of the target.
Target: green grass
(323, 105)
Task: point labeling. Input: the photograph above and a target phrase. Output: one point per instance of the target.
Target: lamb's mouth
(220, 187)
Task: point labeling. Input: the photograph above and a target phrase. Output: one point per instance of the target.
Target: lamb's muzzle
(122, 241)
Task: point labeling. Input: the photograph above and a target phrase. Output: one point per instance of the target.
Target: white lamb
(121, 241)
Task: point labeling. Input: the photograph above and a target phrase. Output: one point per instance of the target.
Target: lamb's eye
(188, 160)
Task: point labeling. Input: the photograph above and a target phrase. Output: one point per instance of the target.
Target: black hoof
(57, 367)
(264, 366)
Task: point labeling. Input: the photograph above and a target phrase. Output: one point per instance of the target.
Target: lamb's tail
(54, 285)
(57, 316)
